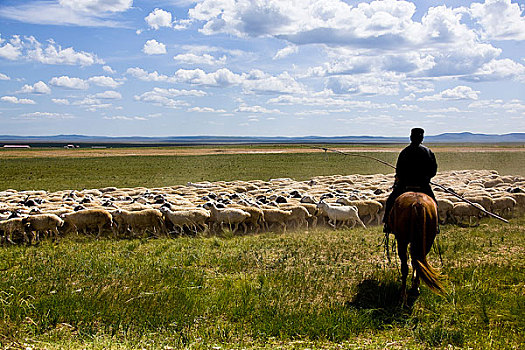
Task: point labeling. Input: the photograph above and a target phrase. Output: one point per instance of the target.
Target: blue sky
(261, 68)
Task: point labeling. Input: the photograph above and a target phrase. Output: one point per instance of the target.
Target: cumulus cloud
(16, 100)
(504, 69)
(383, 35)
(143, 75)
(11, 50)
(153, 47)
(108, 69)
(69, 83)
(158, 18)
(366, 84)
(500, 19)
(104, 81)
(193, 59)
(222, 77)
(163, 97)
(458, 93)
(31, 49)
(259, 81)
(37, 88)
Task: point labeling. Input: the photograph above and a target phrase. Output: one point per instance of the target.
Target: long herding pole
(432, 183)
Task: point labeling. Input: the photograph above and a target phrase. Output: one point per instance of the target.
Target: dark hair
(416, 135)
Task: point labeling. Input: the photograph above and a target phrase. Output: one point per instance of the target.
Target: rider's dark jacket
(416, 165)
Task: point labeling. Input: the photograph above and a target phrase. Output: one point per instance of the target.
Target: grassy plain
(306, 289)
(57, 173)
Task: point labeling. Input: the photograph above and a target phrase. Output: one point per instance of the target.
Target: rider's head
(416, 135)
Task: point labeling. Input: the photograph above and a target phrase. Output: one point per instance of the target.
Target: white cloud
(206, 110)
(46, 115)
(256, 109)
(153, 47)
(108, 69)
(162, 97)
(285, 52)
(123, 117)
(505, 69)
(500, 19)
(91, 13)
(16, 100)
(257, 80)
(60, 101)
(97, 6)
(104, 81)
(4, 77)
(458, 93)
(31, 49)
(38, 88)
(158, 18)
(141, 74)
(108, 95)
(11, 50)
(386, 83)
(193, 59)
(174, 92)
(69, 83)
(92, 104)
(52, 54)
(222, 77)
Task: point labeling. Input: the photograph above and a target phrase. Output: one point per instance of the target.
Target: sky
(261, 68)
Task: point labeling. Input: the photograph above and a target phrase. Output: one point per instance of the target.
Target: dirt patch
(195, 151)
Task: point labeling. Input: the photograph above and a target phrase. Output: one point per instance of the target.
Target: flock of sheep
(242, 206)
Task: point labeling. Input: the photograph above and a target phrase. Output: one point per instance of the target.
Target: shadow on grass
(382, 301)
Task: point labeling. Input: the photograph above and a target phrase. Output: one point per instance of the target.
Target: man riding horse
(416, 165)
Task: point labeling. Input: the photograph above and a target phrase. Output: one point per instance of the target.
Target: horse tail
(420, 234)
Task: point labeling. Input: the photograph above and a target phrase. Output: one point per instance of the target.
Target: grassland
(306, 289)
(158, 171)
(320, 289)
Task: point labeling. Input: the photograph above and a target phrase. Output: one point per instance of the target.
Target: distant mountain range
(464, 137)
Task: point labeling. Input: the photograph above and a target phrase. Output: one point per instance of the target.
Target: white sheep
(445, 208)
(464, 210)
(366, 208)
(85, 220)
(299, 217)
(504, 205)
(189, 218)
(273, 216)
(344, 213)
(228, 216)
(43, 223)
(13, 226)
(140, 220)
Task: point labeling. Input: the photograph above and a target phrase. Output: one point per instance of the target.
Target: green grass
(317, 289)
(302, 289)
(157, 171)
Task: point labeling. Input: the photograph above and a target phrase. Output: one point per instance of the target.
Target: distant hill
(464, 137)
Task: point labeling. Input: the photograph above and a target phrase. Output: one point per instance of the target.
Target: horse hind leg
(402, 252)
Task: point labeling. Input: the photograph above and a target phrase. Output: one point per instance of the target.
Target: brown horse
(414, 220)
